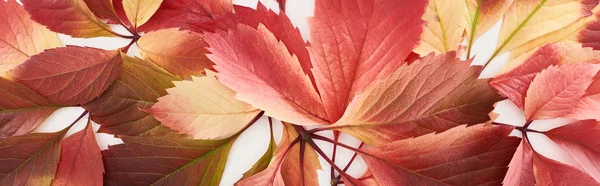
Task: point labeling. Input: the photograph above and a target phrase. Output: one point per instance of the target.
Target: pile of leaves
(387, 72)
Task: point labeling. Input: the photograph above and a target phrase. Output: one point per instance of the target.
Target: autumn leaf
(555, 92)
(524, 21)
(21, 37)
(189, 13)
(445, 26)
(476, 155)
(183, 55)
(139, 11)
(514, 83)
(104, 9)
(350, 49)
(203, 108)
(285, 169)
(481, 15)
(80, 160)
(579, 140)
(520, 169)
(431, 95)
(30, 159)
(166, 161)
(71, 17)
(246, 58)
(137, 86)
(282, 28)
(21, 109)
(79, 74)
(265, 159)
(551, 172)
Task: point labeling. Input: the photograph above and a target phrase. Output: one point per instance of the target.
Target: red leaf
(355, 41)
(21, 109)
(103, 9)
(550, 172)
(80, 160)
(556, 91)
(77, 74)
(476, 155)
(30, 159)
(249, 59)
(281, 27)
(182, 13)
(520, 169)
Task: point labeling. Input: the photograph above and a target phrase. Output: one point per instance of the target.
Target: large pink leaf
(263, 73)
(476, 155)
(185, 13)
(354, 41)
(78, 74)
(580, 141)
(551, 172)
(556, 91)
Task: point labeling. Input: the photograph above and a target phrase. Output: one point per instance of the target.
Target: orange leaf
(355, 41)
(430, 95)
(71, 17)
(203, 108)
(78, 74)
(21, 37)
(183, 55)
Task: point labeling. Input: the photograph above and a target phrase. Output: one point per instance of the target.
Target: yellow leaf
(203, 108)
(481, 15)
(444, 29)
(139, 11)
(527, 20)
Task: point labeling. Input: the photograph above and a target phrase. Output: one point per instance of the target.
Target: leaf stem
(336, 137)
(76, 120)
(337, 179)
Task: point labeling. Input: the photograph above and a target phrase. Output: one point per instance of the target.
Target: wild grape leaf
(184, 54)
(21, 37)
(286, 168)
(476, 155)
(514, 83)
(556, 91)
(433, 94)
(520, 169)
(581, 31)
(138, 85)
(281, 27)
(527, 20)
(71, 17)
(78, 74)
(551, 172)
(103, 9)
(30, 159)
(182, 13)
(166, 161)
(445, 26)
(203, 108)
(80, 160)
(264, 160)
(579, 140)
(481, 15)
(139, 11)
(353, 42)
(249, 59)
(21, 109)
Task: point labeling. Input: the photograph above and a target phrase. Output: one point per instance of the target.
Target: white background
(253, 143)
